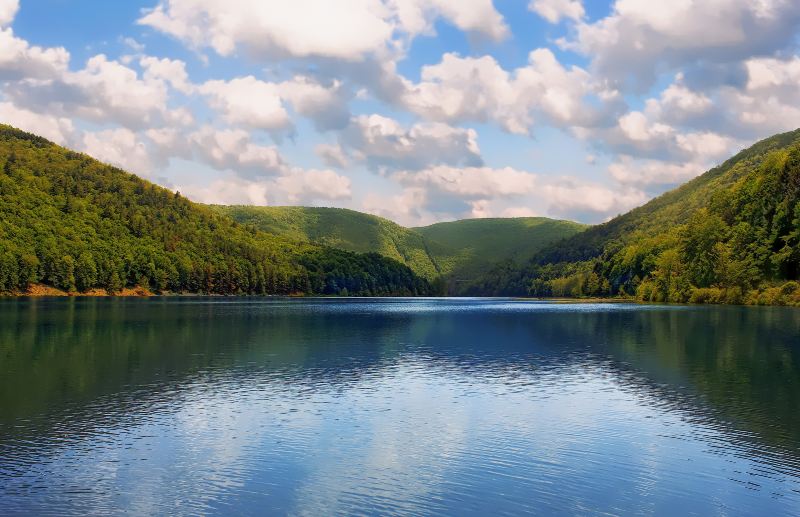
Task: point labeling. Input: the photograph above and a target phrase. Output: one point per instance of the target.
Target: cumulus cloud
(8, 10)
(172, 71)
(649, 173)
(326, 105)
(103, 91)
(641, 38)
(461, 89)
(249, 102)
(234, 150)
(302, 186)
(332, 155)
(555, 10)
(57, 129)
(471, 182)
(19, 59)
(452, 193)
(299, 186)
(227, 190)
(584, 201)
(120, 147)
(384, 144)
(257, 104)
(346, 30)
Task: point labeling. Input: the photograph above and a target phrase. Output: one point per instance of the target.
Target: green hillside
(456, 250)
(340, 228)
(731, 235)
(73, 223)
(464, 249)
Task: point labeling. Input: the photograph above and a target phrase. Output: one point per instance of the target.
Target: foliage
(467, 248)
(447, 253)
(73, 223)
(731, 235)
(342, 229)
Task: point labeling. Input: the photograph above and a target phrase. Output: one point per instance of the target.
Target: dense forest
(342, 229)
(73, 223)
(446, 253)
(731, 235)
(468, 248)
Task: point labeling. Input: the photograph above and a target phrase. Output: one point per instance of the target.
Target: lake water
(397, 406)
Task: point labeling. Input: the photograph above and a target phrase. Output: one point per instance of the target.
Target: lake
(187, 406)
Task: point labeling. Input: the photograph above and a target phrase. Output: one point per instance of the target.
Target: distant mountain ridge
(458, 250)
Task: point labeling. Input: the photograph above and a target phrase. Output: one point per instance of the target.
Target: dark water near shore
(460, 407)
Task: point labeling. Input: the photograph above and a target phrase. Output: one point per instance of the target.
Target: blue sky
(417, 110)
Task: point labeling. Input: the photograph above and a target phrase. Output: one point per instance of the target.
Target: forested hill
(340, 228)
(468, 248)
(73, 223)
(455, 251)
(732, 235)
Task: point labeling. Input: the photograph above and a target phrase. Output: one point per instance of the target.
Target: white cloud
(57, 129)
(645, 135)
(259, 104)
(298, 187)
(640, 38)
(769, 102)
(331, 155)
(228, 190)
(347, 29)
(554, 10)
(587, 201)
(120, 147)
(233, 150)
(249, 102)
(442, 193)
(471, 182)
(404, 207)
(8, 10)
(18, 59)
(648, 173)
(325, 105)
(476, 16)
(274, 29)
(105, 91)
(172, 71)
(301, 186)
(520, 211)
(384, 144)
(479, 89)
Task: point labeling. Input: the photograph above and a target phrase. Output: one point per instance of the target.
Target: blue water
(398, 407)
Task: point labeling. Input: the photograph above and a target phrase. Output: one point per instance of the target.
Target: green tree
(85, 272)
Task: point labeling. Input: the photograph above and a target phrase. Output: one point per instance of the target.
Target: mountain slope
(340, 228)
(730, 235)
(73, 223)
(469, 247)
(456, 250)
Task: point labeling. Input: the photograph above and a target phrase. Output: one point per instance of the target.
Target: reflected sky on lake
(462, 407)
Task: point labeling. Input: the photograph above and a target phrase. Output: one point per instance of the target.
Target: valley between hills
(73, 225)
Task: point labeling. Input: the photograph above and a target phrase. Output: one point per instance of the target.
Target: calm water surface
(407, 407)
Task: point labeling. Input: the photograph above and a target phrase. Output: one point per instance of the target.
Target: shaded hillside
(340, 228)
(71, 222)
(467, 248)
(731, 235)
(455, 250)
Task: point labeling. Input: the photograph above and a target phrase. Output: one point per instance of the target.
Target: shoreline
(45, 291)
